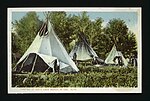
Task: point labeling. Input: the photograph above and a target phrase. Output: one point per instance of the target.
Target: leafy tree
(26, 30)
(130, 45)
(119, 35)
(94, 31)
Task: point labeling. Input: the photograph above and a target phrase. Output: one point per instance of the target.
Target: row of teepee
(46, 53)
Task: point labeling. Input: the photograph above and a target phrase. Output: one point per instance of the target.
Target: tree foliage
(119, 34)
(26, 30)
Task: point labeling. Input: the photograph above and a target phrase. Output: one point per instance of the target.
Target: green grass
(89, 76)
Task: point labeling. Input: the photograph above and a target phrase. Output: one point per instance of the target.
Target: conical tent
(113, 53)
(44, 51)
(83, 50)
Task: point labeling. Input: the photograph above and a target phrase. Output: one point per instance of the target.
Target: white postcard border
(14, 90)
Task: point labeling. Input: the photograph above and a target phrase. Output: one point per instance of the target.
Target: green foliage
(26, 29)
(90, 76)
(119, 34)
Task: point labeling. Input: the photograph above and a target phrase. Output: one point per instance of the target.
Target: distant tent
(83, 50)
(112, 55)
(44, 53)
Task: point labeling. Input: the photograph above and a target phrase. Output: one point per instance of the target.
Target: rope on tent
(34, 63)
(49, 68)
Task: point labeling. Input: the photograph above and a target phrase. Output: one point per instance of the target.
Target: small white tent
(83, 50)
(113, 53)
(44, 51)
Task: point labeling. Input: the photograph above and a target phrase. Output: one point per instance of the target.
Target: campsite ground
(89, 76)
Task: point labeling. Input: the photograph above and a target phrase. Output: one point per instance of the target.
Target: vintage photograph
(74, 50)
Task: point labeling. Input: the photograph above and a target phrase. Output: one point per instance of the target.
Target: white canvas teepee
(113, 53)
(44, 50)
(83, 50)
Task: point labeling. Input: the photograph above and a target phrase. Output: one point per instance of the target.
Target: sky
(130, 18)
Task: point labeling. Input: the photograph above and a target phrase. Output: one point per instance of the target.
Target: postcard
(74, 50)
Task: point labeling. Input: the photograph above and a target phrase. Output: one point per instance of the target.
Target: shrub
(89, 76)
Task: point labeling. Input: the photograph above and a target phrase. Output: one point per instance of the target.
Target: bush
(89, 76)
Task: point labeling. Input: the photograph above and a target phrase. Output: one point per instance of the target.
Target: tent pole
(84, 64)
(34, 63)
(23, 63)
(41, 27)
(47, 69)
(31, 70)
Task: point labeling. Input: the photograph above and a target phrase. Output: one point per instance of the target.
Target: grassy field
(89, 76)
